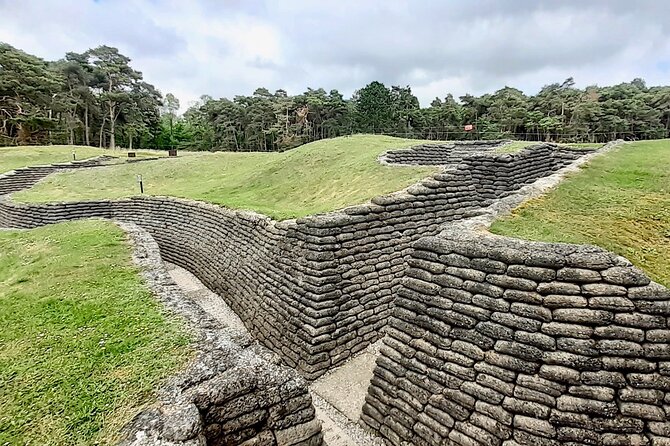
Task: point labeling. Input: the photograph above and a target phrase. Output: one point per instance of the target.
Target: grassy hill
(620, 202)
(15, 157)
(317, 177)
(83, 343)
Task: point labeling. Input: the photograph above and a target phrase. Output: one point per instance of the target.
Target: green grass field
(620, 202)
(317, 177)
(15, 157)
(82, 341)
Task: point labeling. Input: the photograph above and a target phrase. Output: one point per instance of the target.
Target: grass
(15, 157)
(620, 202)
(82, 340)
(584, 145)
(317, 177)
(515, 146)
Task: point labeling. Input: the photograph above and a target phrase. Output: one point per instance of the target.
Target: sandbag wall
(315, 290)
(497, 341)
(26, 177)
(266, 271)
(231, 392)
(496, 176)
(438, 154)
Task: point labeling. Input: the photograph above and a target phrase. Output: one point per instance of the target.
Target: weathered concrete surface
(338, 430)
(211, 302)
(345, 387)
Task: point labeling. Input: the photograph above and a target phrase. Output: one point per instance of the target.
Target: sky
(231, 47)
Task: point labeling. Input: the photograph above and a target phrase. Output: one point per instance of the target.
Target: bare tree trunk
(50, 141)
(87, 130)
(130, 142)
(112, 141)
(23, 134)
(102, 131)
(237, 146)
(286, 131)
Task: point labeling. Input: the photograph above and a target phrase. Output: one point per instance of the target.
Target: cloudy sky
(229, 47)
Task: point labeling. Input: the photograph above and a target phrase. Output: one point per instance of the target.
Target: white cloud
(232, 47)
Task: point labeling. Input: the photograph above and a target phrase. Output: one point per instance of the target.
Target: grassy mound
(317, 177)
(620, 201)
(15, 157)
(82, 340)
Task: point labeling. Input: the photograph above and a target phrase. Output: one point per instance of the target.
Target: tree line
(97, 98)
(93, 98)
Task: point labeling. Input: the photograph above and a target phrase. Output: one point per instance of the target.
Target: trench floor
(338, 396)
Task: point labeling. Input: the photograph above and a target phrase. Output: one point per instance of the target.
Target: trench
(318, 291)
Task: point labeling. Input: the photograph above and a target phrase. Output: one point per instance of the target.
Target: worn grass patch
(82, 340)
(23, 156)
(620, 201)
(515, 146)
(317, 177)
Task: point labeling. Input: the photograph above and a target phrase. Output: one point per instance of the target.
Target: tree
(169, 110)
(405, 109)
(374, 108)
(116, 79)
(509, 108)
(28, 86)
(97, 95)
(139, 115)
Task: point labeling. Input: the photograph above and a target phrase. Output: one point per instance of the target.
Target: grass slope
(317, 177)
(620, 202)
(15, 157)
(82, 341)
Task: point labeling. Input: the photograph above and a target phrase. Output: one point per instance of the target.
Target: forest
(96, 98)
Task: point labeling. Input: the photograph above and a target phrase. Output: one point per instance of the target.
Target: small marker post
(74, 156)
(139, 180)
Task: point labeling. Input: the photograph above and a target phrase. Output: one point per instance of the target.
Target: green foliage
(317, 177)
(620, 202)
(82, 341)
(91, 98)
(97, 98)
(28, 86)
(373, 105)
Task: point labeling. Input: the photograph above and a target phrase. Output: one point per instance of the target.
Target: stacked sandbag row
(232, 391)
(499, 174)
(232, 394)
(496, 341)
(437, 153)
(570, 155)
(26, 177)
(267, 271)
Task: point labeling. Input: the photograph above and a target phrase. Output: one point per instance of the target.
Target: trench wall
(23, 178)
(438, 153)
(232, 392)
(497, 341)
(317, 289)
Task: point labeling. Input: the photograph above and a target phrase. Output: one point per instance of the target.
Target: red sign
(469, 127)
